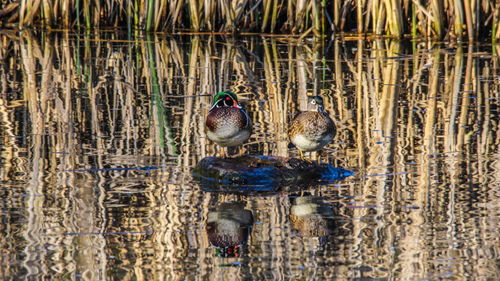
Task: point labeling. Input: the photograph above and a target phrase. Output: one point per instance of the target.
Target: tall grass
(453, 19)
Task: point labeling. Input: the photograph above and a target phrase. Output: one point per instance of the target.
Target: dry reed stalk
(228, 13)
(300, 13)
(359, 15)
(452, 102)
(47, 12)
(468, 20)
(301, 80)
(290, 13)
(437, 12)
(361, 101)
(316, 17)
(394, 17)
(484, 111)
(430, 118)
(381, 16)
(277, 108)
(464, 108)
(191, 91)
(390, 90)
(459, 19)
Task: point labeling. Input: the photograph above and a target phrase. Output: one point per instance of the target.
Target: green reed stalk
(496, 20)
(87, 13)
(150, 15)
(129, 19)
(267, 10)
(77, 15)
(136, 14)
(315, 12)
(413, 20)
(494, 30)
(156, 102)
(323, 29)
(274, 15)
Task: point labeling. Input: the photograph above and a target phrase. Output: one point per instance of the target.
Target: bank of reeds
(441, 19)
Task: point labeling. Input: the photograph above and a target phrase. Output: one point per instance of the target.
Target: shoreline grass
(438, 19)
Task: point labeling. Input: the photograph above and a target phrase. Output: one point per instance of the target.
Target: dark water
(99, 134)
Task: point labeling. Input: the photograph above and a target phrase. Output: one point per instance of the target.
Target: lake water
(99, 133)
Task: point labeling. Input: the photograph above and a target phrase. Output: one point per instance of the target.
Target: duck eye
(313, 101)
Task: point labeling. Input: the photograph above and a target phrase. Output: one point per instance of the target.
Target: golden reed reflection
(98, 136)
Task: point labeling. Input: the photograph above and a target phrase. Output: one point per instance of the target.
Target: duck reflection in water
(228, 228)
(311, 216)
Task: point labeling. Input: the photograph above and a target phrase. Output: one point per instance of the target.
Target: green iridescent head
(225, 99)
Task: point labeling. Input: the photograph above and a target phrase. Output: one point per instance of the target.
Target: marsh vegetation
(450, 19)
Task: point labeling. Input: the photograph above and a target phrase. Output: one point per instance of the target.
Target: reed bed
(449, 20)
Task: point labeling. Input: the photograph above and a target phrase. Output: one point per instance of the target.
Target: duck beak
(237, 105)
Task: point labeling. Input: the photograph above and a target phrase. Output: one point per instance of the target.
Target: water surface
(99, 134)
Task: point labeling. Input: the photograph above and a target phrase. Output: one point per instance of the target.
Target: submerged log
(262, 173)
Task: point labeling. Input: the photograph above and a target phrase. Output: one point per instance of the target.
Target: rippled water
(99, 134)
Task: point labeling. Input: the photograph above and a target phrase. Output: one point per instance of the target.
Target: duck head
(315, 103)
(225, 99)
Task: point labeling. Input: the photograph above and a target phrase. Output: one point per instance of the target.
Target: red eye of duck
(228, 98)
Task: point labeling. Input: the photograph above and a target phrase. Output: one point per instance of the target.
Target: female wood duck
(313, 129)
(227, 123)
(312, 217)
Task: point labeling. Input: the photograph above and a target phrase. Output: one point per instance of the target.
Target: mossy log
(262, 173)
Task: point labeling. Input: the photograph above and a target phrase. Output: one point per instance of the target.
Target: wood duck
(228, 227)
(227, 123)
(313, 129)
(312, 217)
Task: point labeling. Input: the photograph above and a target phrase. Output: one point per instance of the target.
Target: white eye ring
(313, 101)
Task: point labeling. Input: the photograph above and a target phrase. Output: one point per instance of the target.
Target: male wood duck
(227, 123)
(313, 129)
(228, 227)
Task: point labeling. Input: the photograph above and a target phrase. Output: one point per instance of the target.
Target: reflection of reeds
(111, 103)
(423, 17)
